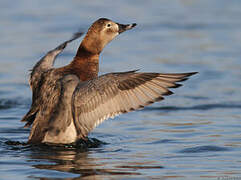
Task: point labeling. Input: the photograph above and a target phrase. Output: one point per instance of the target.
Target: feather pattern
(40, 74)
(116, 93)
(68, 102)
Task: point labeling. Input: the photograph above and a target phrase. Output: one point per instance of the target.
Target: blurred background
(194, 133)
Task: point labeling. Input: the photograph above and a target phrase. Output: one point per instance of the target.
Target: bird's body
(68, 102)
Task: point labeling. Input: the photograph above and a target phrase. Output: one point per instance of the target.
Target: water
(193, 134)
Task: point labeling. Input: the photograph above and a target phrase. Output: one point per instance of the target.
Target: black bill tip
(125, 27)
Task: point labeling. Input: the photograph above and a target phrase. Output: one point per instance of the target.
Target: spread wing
(46, 62)
(116, 93)
(36, 77)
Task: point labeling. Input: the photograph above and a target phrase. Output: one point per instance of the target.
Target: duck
(69, 102)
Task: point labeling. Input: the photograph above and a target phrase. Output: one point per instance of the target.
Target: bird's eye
(108, 25)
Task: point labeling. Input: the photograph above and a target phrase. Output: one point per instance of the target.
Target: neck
(85, 64)
(84, 52)
(91, 44)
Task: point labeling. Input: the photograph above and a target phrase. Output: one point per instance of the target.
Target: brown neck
(85, 64)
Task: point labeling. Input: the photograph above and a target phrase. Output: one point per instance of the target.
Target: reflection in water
(74, 160)
(77, 159)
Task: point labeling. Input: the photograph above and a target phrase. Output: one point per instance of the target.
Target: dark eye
(108, 25)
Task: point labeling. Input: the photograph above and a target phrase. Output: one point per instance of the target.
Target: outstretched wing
(47, 61)
(115, 93)
(36, 78)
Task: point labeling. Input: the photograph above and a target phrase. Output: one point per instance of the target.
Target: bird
(69, 102)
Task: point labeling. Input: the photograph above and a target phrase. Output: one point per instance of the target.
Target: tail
(29, 117)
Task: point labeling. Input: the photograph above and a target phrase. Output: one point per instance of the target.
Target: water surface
(193, 134)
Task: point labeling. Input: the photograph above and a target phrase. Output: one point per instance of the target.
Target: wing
(54, 114)
(37, 78)
(44, 94)
(47, 61)
(116, 93)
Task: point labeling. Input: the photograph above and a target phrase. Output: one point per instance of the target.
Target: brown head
(101, 33)
(86, 62)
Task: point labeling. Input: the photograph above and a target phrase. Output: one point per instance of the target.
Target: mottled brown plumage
(68, 102)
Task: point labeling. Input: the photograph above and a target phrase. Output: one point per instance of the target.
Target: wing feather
(116, 93)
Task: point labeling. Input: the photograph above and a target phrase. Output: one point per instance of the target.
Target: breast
(63, 137)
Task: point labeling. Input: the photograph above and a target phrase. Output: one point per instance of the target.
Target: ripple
(197, 97)
(196, 107)
(201, 149)
(11, 103)
(140, 167)
(163, 141)
(196, 26)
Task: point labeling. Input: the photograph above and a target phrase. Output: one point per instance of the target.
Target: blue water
(193, 134)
